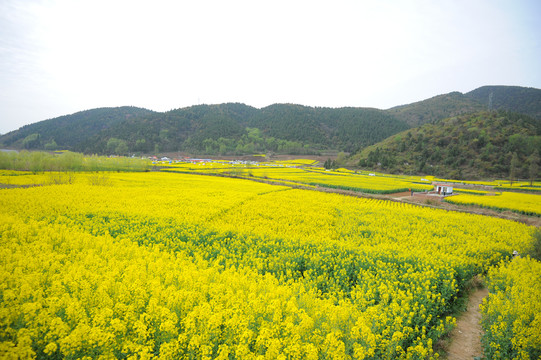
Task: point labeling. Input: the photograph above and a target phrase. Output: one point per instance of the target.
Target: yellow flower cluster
(172, 265)
(472, 191)
(21, 178)
(73, 295)
(512, 312)
(529, 204)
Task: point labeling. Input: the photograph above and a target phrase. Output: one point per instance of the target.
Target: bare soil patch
(424, 199)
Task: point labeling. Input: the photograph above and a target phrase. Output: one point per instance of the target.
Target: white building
(443, 189)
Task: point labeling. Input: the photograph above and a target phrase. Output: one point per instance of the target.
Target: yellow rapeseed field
(178, 266)
(366, 183)
(529, 204)
(512, 311)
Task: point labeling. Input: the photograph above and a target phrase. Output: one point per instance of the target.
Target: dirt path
(466, 337)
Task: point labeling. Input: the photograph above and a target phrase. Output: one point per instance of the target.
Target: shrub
(99, 179)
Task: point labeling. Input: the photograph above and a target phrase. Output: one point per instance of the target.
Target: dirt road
(466, 337)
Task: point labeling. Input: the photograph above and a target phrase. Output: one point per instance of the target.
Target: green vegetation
(66, 132)
(533, 166)
(535, 251)
(510, 98)
(235, 129)
(481, 144)
(511, 312)
(37, 161)
(225, 129)
(456, 135)
(436, 108)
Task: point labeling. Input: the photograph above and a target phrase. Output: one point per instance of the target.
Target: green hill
(346, 129)
(175, 130)
(235, 128)
(436, 108)
(511, 98)
(216, 129)
(480, 144)
(67, 132)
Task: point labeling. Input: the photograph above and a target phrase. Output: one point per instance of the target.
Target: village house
(443, 189)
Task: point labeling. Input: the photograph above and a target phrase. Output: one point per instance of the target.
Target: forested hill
(235, 128)
(481, 144)
(186, 129)
(511, 98)
(347, 129)
(436, 108)
(68, 131)
(222, 129)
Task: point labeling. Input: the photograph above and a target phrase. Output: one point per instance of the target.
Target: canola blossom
(529, 204)
(473, 192)
(166, 265)
(349, 180)
(512, 311)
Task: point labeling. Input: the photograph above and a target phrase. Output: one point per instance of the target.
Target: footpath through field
(466, 337)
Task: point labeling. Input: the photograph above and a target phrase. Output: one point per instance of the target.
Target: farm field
(313, 176)
(511, 313)
(172, 265)
(294, 173)
(529, 204)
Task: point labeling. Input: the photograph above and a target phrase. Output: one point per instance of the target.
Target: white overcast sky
(58, 57)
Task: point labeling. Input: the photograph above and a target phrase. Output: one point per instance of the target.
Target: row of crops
(528, 204)
(375, 183)
(168, 265)
(345, 180)
(512, 312)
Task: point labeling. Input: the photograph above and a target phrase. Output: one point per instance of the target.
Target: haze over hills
(234, 129)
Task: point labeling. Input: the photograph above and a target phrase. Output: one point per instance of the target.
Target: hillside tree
(32, 141)
(117, 146)
(534, 166)
(513, 168)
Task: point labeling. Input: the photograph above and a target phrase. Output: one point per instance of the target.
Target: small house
(443, 189)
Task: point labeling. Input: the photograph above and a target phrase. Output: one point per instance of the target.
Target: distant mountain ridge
(240, 129)
(518, 99)
(509, 98)
(231, 128)
(235, 128)
(436, 108)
